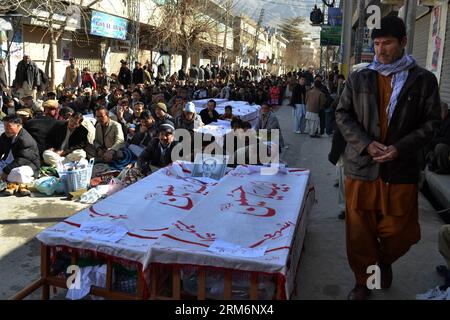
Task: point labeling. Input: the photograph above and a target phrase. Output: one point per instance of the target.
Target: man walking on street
(387, 114)
(298, 103)
(315, 101)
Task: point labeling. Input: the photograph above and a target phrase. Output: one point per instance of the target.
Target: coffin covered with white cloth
(245, 222)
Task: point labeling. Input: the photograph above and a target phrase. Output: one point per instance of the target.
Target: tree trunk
(47, 62)
(52, 62)
(185, 58)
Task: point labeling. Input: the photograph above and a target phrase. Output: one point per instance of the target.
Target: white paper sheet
(102, 231)
(230, 249)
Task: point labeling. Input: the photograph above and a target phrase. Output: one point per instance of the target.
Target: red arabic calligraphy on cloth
(273, 236)
(178, 196)
(261, 189)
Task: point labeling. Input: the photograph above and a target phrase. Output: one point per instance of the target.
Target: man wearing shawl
(387, 114)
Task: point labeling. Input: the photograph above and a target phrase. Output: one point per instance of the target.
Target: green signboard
(330, 36)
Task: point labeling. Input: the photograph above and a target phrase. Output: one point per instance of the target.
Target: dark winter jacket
(24, 150)
(125, 76)
(412, 126)
(39, 129)
(29, 73)
(152, 155)
(77, 140)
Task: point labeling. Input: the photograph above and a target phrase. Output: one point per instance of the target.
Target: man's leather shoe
(386, 275)
(359, 292)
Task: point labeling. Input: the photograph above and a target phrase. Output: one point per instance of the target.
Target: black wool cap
(390, 26)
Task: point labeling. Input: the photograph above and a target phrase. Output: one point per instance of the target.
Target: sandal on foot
(23, 190)
(11, 188)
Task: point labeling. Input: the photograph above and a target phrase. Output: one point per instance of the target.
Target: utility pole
(410, 21)
(346, 39)
(255, 45)
(360, 32)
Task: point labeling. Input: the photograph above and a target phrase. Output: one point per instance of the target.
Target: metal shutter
(445, 74)
(421, 36)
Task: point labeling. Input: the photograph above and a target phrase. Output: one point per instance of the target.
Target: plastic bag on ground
(46, 185)
(91, 196)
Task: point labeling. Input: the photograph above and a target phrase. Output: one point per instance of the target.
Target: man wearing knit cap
(158, 153)
(161, 114)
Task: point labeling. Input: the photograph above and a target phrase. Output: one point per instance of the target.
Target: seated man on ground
(268, 121)
(441, 292)
(189, 119)
(146, 130)
(19, 156)
(439, 157)
(158, 153)
(228, 115)
(39, 127)
(161, 115)
(123, 114)
(10, 106)
(138, 108)
(25, 114)
(209, 114)
(27, 102)
(444, 249)
(109, 138)
(67, 142)
(177, 107)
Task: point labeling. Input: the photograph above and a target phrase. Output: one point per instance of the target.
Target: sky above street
(278, 10)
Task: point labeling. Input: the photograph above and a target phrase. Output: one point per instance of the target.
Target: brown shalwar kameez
(382, 218)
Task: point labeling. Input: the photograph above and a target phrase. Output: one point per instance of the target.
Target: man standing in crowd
(315, 101)
(27, 78)
(72, 76)
(125, 76)
(298, 103)
(387, 114)
(181, 76)
(193, 74)
(138, 73)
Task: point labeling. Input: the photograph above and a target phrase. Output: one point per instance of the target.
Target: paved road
(324, 272)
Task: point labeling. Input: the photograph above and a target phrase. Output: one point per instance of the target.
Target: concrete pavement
(324, 272)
